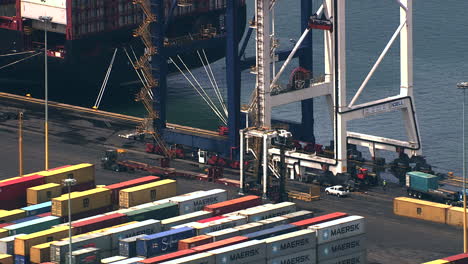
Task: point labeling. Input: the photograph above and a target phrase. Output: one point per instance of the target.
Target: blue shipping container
(127, 246)
(164, 242)
(271, 232)
(21, 259)
(29, 218)
(38, 208)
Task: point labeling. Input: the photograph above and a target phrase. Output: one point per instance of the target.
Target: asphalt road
(77, 138)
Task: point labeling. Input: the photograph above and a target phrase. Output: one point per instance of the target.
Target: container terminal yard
(112, 188)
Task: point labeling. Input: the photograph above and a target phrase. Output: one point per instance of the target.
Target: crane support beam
(314, 90)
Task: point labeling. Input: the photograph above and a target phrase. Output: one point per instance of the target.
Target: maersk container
(170, 256)
(303, 257)
(189, 204)
(224, 234)
(339, 229)
(421, 181)
(246, 252)
(269, 211)
(271, 232)
(112, 259)
(201, 258)
(272, 222)
(129, 261)
(234, 205)
(183, 219)
(7, 245)
(59, 250)
(127, 246)
(319, 219)
(36, 225)
(287, 244)
(164, 242)
(358, 257)
(85, 256)
(38, 208)
(21, 259)
(158, 212)
(22, 220)
(146, 227)
(342, 247)
(298, 216)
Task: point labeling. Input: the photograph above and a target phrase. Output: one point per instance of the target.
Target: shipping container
(200, 258)
(127, 246)
(83, 219)
(211, 219)
(22, 220)
(158, 212)
(36, 225)
(272, 222)
(130, 261)
(319, 219)
(358, 257)
(298, 216)
(170, 256)
(6, 259)
(220, 244)
(420, 209)
(233, 205)
(44, 214)
(223, 234)
(192, 203)
(342, 247)
(25, 242)
(115, 188)
(112, 259)
(249, 228)
(43, 193)
(5, 224)
(7, 245)
(455, 216)
(164, 242)
(287, 244)
(82, 173)
(245, 252)
(59, 249)
(184, 219)
(438, 261)
(269, 211)
(421, 181)
(36, 209)
(271, 232)
(89, 255)
(228, 222)
(81, 202)
(13, 192)
(147, 193)
(458, 259)
(303, 257)
(8, 216)
(95, 223)
(4, 233)
(145, 227)
(40, 253)
(191, 242)
(21, 259)
(339, 229)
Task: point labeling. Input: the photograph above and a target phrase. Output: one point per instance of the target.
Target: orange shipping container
(81, 201)
(420, 209)
(455, 216)
(43, 193)
(24, 243)
(147, 193)
(40, 253)
(189, 243)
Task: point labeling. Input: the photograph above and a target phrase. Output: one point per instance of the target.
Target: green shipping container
(421, 181)
(157, 212)
(33, 226)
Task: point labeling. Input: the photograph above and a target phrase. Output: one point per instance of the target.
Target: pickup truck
(337, 190)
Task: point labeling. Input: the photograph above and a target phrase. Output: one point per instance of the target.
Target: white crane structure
(333, 87)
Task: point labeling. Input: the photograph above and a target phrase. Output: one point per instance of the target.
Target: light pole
(69, 183)
(464, 86)
(46, 97)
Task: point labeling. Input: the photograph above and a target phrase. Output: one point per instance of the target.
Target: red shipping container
(211, 219)
(44, 214)
(194, 241)
(319, 219)
(80, 187)
(115, 188)
(458, 259)
(220, 244)
(99, 223)
(167, 257)
(233, 205)
(5, 224)
(13, 192)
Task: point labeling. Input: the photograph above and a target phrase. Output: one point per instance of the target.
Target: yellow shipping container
(82, 201)
(82, 173)
(455, 216)
(420, 209)
(8, 216)
(439, 261)
(6, 259)
(3, 233)
(24, 243)
(147, 193)
(41, 253)
(43, 193)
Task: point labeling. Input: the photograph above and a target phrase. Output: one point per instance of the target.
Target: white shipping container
(191, 203)
(298, 216)
(339, 229)
(112, 259)
(287, 244)
(358, 257)
(34, 11)
(229, 222)
(7, 244)
(245, 252)
(129, 261)
(145, 227)
(269, 211)
(224, 234)
(59, 249)
(303, 257)
(53, 3)
(341, 248)
(272, 222)
(184, 219)
(249, 228)
(201, 258)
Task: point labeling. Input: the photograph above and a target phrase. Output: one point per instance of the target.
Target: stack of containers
(40, 253)
(194, 241)
(83, 174)
(164, 242)
(99, 222)
(295, 247)
(233, 205)
(266, 211)
(6, 259)
(116, 188)
(112, 259)
(90, 255)
(192, 203)
(36, 225)
(43, 193)
(224, 223)
(83, 204)
(340, 238)
(37, 209)
(7, 245)
(147, 193)
(184, 219)
(253, 251)
(13, 191)
(127, 246)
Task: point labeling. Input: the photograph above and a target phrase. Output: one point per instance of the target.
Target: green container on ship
(157, 212)
(421, 181)
(33, 226)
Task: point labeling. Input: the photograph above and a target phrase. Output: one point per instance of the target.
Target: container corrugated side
(25, 242)
(60, 249)
(342, 247)
(33, 226)
(224, 234)
(189, 204)
(290, 243)
(147, 192)
(146, 227)
(194, 241)
(127, 246)
(245, 252)
(82, 201)
(339, 229)
(43, 193)
(7, 244)
(234, 205)
(200, 258)
(420, 209)
(40, 253)
(158, 212)
(157, 244)
(303, 257)
(358, 257)
(115, 188)
(183, 219)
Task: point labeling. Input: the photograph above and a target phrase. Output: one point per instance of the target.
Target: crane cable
(217, 90)
(18, 61)
(217, 113)
(104, 83)
(138, 73)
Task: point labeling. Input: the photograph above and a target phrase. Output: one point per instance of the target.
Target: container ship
(83, 35)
